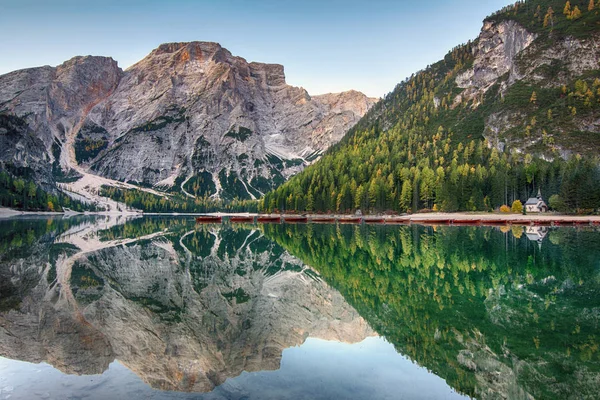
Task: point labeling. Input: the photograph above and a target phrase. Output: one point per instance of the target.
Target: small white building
(536, 204)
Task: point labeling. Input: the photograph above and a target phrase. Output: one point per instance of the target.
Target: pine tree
(591, 5)
(576, 13)
(406, 196)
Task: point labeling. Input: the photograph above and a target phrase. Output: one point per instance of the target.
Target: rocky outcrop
(22, 150)
(54, 101)
(506, 53)
(190, 116)
(495, 54)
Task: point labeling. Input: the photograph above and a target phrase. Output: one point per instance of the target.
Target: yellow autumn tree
(576, 13)
(517, 207)
(549, 17)
(591, 5)
(567, 9)
(533, 98)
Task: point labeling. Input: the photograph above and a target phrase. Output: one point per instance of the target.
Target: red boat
(466, 222)
(268, 220)
(356, 220)
(494, 222)
(542, 222)
(580, 222)
(404, 221)
(374, 220)
(322, 220)
(208, 219)
(432, 221)
(295, 220)
(241, 219)
(524, 222)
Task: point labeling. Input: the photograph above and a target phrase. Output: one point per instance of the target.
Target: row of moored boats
(265, 219)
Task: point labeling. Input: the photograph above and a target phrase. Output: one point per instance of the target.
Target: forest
(22, 193)
(423, 147)
(175, 203)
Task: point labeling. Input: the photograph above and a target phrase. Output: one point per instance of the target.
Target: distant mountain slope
(513, 111)
(189, 118)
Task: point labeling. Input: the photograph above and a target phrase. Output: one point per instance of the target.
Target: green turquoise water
(161, 307)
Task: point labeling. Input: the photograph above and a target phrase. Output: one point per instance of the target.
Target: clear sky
(325, 45)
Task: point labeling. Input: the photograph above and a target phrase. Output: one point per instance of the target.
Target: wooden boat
(524, 222)
(241, 219)
(543, 222)
(322, 220)
(268, 219)
(432, 221)
(580, 222)
(295, 219)
(466, 222)
(350, 220)
(208, 219)
(494, 222)
(374, 220)
(399, 221)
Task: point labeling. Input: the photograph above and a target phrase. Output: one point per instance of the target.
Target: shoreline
(441, 218)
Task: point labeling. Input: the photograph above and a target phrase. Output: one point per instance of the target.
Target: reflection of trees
(431, 291)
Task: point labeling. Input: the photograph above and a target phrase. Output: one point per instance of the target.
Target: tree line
(423, 147)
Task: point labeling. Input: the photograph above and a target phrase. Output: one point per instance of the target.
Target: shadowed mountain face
(189, 117)
(184, 307)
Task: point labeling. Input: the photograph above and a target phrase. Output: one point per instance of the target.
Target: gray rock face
(495, 53)
(54, 101)
(506, 53)
(194, 110)
(20, 148)
(189, 114)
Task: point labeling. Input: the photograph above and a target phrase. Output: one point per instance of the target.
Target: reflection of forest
(488, 310)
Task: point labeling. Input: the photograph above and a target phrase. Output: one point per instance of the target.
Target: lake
(156, 307)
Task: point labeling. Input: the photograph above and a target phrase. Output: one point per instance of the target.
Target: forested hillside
(498, 118)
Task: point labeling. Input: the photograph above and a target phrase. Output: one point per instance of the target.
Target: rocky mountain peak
(189, 52)
(189, 117)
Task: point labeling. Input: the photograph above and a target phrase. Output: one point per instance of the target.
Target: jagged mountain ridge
(190, 117)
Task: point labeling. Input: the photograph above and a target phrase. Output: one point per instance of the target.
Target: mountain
(189, 118)
(514, 111)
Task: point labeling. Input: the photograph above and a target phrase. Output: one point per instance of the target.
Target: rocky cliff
(526, 70)
(189, 117)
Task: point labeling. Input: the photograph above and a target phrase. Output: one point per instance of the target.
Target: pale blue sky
(325, 46)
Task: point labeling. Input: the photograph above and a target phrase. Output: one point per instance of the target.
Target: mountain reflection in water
(494, 313)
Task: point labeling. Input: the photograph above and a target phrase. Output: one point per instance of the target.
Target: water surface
(159, 307)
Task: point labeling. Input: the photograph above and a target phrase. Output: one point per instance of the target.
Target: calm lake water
(159, 307)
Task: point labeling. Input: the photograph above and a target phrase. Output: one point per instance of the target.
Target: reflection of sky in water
(318, 369)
